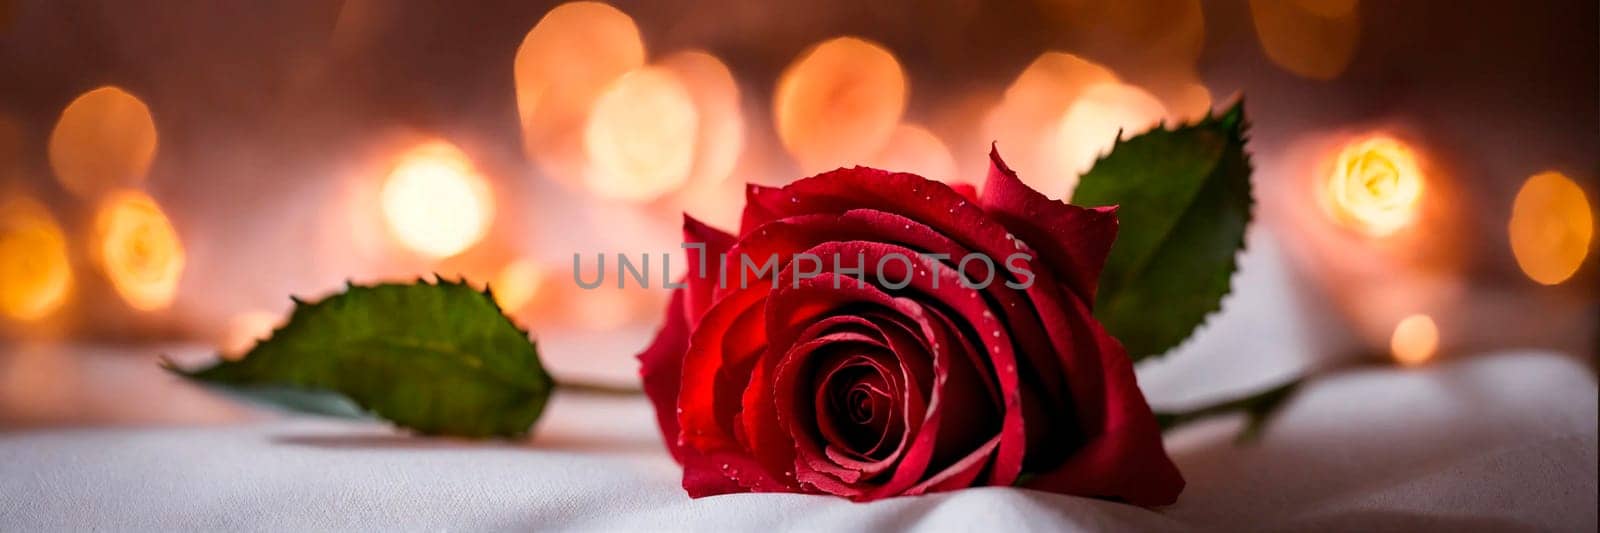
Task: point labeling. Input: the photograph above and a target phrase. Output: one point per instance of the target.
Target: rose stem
(598, 389)
(1258, 407)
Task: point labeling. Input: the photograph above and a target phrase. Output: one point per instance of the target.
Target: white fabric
(1504, 441)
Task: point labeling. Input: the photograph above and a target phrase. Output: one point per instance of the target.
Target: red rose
(800, 378)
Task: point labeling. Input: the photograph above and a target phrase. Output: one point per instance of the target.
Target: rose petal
(1046, 405)
(1124, 457)
(966, 190)
(960, 474)
(948, 214)
(660, 367)
(726, 473)
(707, 401)
(814, 464)
(1117, 453)
(705, 269)
(1073, 241)
(661, 370)
(868, 378)
(947, 431)
(918, 455)
(710, 367)
(774, 440)
(808, 421)
(788, 236)
(965, 302)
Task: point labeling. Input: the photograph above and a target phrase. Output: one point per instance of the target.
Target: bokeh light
(1375, 186)
(519, 283)
(1314, 39)
(245, 330)
(1156, 34)
(562, 66)
(720, 133)
(914, 149)
(1551, 227)
(719, 203)
(35, 272)
(838, 103)
(1092, 125)
(139, 250)
(1026, 120)
(641, 137)
(1186, 99)
(604, 309)
(105, 139)
(1415, 340)
(435, 202)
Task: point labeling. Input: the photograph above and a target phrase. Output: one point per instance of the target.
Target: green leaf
(1184, 197)
(438, 358)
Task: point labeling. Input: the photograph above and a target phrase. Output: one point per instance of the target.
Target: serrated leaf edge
(302, 306)
(1233, 118)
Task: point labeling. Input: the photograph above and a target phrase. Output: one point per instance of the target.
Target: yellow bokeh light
(1052, 81)
(245, 330)
(1313, 39)
(605, 309)
(916, 150)
(838, 103)
(1415, 340)
(35, 273)
(563, 64)
(1375, 186)
(720, 135)
(105, 139)
(1186, 101)
(139, 250)
(435, 202)
(1551, 227)
(517, 284)
(641, 137)
(1092, 125)
(1025, 121)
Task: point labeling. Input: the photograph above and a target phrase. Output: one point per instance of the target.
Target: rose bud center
(856, 408)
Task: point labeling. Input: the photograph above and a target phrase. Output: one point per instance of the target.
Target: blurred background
(170, 172)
